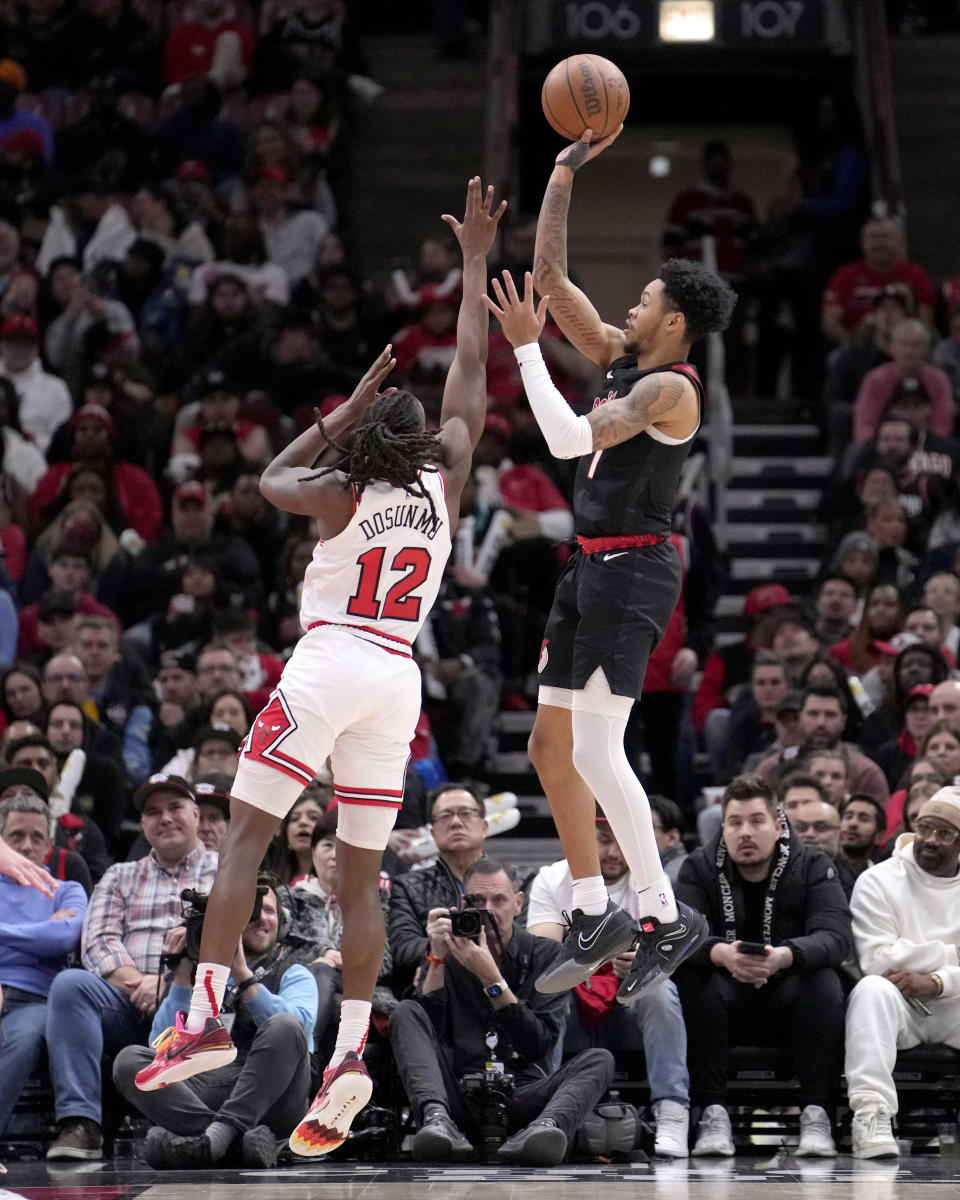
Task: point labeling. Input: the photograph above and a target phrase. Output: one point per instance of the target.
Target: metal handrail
(876, 85)
(719, 419)
(503, 75)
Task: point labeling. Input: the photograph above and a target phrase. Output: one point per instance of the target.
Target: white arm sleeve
(567, 435)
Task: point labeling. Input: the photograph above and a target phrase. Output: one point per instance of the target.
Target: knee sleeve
(366, 826)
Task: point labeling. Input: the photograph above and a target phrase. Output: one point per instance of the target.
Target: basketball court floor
(780, 1177)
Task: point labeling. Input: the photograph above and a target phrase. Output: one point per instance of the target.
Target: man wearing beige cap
(906, 925)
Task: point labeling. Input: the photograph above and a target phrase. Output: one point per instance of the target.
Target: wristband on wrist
(436, 962)
(247, 983)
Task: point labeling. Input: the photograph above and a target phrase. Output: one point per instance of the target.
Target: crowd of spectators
(176, 294)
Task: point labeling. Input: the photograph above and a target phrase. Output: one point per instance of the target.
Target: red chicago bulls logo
(270, 727)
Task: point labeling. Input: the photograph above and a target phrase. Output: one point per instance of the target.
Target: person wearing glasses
(906, 927)
(817, 824)
(459, 826)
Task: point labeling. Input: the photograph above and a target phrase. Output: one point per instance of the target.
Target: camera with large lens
(193, 923)
(489, 1096)
(467, 922)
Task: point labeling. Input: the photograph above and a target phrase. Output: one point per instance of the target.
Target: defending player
(351, 689)
(621, 585)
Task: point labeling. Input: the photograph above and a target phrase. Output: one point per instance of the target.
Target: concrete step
(760, 534)
(779, 505)
(781, 471)
(748, 572)
(516, 722)
(776, 439)
(512, 762)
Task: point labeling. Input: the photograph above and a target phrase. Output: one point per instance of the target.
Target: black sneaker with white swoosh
(591, 940)
(662, 949)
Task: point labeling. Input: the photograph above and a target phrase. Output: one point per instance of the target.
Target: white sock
(599, 722)
(657, 900)
(207, 994)
(353, 1030)
(590, 895)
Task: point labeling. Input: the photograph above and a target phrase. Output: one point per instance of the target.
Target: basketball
(585, 91)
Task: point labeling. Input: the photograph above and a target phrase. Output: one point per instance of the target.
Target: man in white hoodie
(906, 925)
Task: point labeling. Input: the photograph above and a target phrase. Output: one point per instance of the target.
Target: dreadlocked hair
(390, 445)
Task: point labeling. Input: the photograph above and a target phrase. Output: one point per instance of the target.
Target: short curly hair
(705, 300)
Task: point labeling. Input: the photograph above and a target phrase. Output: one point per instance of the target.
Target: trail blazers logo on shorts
(544, 657)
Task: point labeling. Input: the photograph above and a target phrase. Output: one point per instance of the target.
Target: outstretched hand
(477, 230)
(520, 321)
(367, 389)
(21, 870)
(578, 153)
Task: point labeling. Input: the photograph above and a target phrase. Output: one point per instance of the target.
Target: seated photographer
(906, 926)
(109, 1005)
(472, 1044)
(459, 826)
(653, 1026)
(769, 971)
(271, 1007)
(37, 933)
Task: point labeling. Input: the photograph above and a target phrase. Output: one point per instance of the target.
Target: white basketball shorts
(338, 696)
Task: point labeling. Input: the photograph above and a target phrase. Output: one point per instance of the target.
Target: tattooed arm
(666, 400)
(569, 307)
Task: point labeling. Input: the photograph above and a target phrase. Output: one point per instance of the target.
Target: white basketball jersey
(381, 574)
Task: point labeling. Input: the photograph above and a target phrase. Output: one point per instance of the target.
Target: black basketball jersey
(631, 488)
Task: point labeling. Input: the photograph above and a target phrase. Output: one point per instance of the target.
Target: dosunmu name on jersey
(402, 516)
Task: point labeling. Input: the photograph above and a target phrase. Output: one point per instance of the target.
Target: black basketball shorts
(610, 610)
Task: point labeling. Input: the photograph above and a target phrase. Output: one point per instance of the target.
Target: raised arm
(666, 399)
(465, 390)
(569, 307)
(282, 480)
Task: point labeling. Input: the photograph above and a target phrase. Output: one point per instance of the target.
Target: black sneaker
(591, 941)
(259, 1148)
(155, 1149)
(541, 1144)
(439, 1140)
(662, 949)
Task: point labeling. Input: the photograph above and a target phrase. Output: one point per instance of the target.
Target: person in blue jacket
(38, 933)
(246, 1106)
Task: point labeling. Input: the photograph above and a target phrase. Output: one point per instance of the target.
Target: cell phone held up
(755, 948)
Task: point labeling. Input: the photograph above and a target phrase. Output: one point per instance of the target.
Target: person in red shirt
(260, 672)
(212, 41)
(220, 409)
(908, 381)
(711, 207)
(429, 344)
(852, 289)
(92, 445)
(71, 570)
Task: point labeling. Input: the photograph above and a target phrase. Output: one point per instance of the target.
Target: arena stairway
(415, 146)
(777, 476)
(772, 536)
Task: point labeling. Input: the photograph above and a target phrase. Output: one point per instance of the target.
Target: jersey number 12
(398, 604)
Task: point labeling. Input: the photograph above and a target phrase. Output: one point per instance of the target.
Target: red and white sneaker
(346, 1090)
(181, 1054)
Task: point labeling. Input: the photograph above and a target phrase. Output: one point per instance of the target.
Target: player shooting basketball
(621, 585)
(351, 689)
